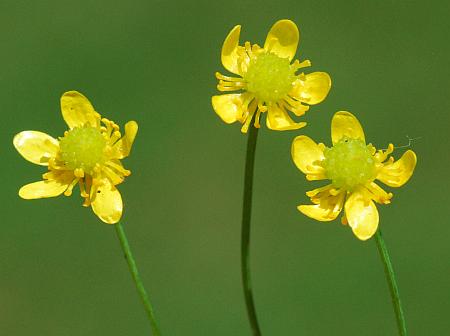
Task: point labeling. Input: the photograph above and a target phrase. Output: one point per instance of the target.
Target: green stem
(136, 277)
(245, 233)
(393, 288)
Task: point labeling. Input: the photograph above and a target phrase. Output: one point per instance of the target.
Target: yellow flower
(88, 154)
(268, 81)
(352, 166)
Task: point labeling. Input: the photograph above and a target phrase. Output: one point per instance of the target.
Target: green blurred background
(62, 271)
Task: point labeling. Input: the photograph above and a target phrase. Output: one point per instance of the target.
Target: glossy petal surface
(36, 147)
(345, 124)
(122, 147)
(107, 203)
(43, 189)
(398, 173)
(282, 39)
(77, 110)
(229, 107)
(279, 120)
(230, 46)
(313, 89)
(307, 155)
(362, 215)
(327, 210)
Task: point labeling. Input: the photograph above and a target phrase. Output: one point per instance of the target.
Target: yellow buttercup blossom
(268, 80)
(352, 166)
(88, 154)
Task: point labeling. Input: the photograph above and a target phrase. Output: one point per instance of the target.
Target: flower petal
(282, 39)
(122, 148)
(398, 173)
(345, 124)
(230, 46)
(77, 110)
(229, 107)
(36, 147)
(47, 188)
(107, 202)
(279, 120)
(362, 215)
(327, 209)
(313, 88)
(307, 155)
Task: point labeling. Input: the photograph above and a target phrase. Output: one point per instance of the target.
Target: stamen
(304, 64)
(112, 176)
(68, 191)
(225, 88)
(114, 137)
(247, 122)
(228, 78)
(118, 168)
(83, 192)
(256, 123)
(79, 172)
(262, 107)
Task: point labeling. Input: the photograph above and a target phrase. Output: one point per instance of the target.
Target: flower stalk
(136, 278)
(393, 288)
(245, 233)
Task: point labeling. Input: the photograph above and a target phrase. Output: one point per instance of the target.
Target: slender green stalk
(393, 288)
(245, 233)
(136, 278)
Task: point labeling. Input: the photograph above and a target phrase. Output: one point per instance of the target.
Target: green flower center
(349, 164)
(269, 77)
(83, 147)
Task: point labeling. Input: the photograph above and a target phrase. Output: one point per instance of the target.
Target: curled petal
(229, 107)
(278, 120)
(77, 110)
(229, 55)
(106, 202)
(362, 215)
(313, 88)
(398, 173)
(36, 147)
(327, 207)
(282, 39)
(307, 155)
(55, 185)
(345, 124)
(122, 148)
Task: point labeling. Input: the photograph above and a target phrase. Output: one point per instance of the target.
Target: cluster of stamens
(87, 151)
(350, 163)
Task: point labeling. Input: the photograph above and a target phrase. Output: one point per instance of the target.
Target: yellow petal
(278, 120)
(313, 88)
(77, 110)
(107, 203)
(362, 215)
(229, 107)
(36, 147)
(122, 148)
(307, 155)
(230, 46)
(327, 209)
(43, 189)
(345, 124)
(398, 173)
(282, 39)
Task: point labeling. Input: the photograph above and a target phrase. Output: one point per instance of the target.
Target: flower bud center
(269, 77)
(83, 147)
(349, 164)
